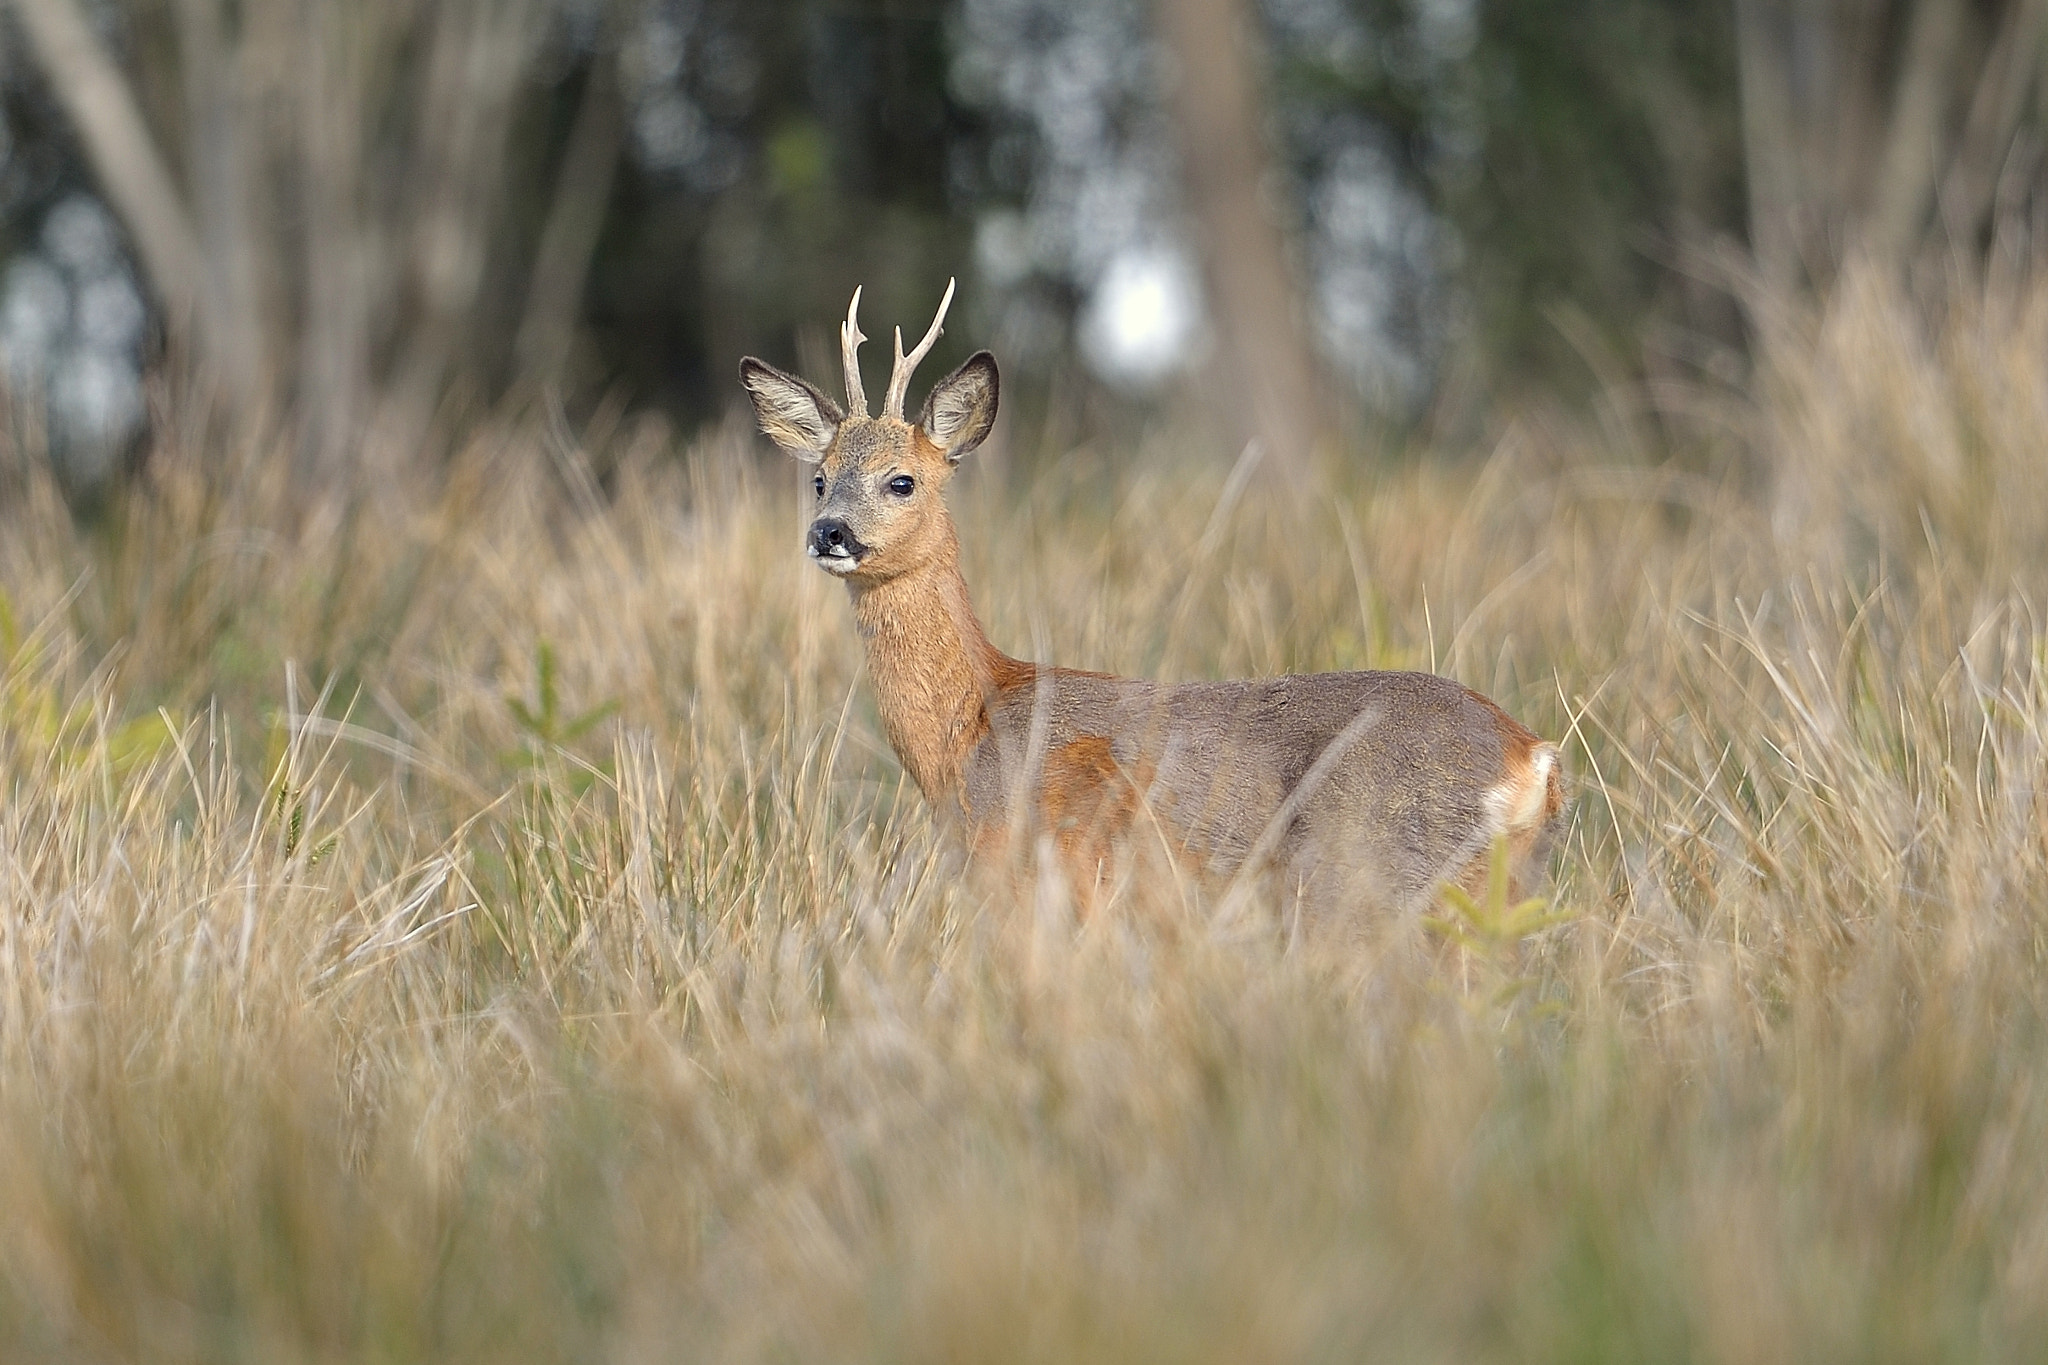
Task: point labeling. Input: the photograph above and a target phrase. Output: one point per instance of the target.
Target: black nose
(831, 536)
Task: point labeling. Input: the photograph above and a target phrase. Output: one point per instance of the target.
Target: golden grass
(486, 924)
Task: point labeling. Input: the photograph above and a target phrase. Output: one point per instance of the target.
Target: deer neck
(933, 670)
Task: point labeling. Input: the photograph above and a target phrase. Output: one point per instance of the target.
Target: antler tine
(849, 356)
(899, 373)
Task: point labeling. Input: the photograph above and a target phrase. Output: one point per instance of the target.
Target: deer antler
(849, 356)
(899, 373)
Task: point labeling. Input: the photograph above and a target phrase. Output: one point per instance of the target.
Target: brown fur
(1086, 803)
(1358, 788)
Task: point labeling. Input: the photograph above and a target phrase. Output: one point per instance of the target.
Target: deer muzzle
(834, 545)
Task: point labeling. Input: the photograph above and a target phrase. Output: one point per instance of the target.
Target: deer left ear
(962, 407)
(793, 412)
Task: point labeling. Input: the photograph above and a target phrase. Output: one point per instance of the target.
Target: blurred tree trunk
(1269, 378)
(345, 282)
(131, 169)
(1880, 129)
(329, 257)
(575, 218)
(1993, 128)
(1770, 144)
(1917, 133)
(480, 50)
(225, 171)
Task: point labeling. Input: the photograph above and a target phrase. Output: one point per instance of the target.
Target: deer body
(1356, 788)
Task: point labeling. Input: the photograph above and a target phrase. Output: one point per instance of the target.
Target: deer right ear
(795, 414)
(962, 407)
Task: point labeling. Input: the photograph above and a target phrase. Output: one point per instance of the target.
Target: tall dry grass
(484, 924)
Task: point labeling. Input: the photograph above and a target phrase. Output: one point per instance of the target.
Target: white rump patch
(1518, 802)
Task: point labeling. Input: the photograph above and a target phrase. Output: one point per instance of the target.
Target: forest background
(1329, 215)
(457, 902)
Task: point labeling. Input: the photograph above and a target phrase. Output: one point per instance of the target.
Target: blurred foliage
(854, 166)
(1573, 156)
(1490, 198)
(1610, 144)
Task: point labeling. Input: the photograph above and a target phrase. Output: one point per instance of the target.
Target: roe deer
(1359, 788)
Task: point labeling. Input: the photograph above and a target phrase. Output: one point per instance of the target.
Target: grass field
(482, 922)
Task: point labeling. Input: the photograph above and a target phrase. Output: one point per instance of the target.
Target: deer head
(879, 480)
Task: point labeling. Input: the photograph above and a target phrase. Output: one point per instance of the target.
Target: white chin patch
(836, 564)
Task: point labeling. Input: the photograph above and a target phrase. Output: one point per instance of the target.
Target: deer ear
(962, 407)
(796, 415)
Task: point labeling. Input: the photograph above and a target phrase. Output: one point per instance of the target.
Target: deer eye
(902, 485)
(818, 482)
